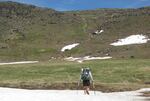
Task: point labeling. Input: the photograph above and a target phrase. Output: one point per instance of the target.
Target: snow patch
(21, 62)
(10, 94)
(133, 39)
(144, 90)
(81, 59)
(69, 47)
(99, 32)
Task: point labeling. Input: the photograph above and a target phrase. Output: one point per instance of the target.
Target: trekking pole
(78, 86)
(94, 88)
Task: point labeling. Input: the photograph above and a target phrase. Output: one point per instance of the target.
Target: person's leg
(86, 86)
(87, 90)
(84, 89)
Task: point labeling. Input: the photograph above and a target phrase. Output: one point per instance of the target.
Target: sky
(67, 5)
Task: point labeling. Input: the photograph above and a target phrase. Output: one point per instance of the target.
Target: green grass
(110, 72)
(30, 33)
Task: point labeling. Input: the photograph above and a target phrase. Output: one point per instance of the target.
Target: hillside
(28, 32)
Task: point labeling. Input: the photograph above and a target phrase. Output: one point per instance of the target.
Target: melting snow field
(133, 39)
(9, 94)
(69, 47)
(21, 62)
(81, 59)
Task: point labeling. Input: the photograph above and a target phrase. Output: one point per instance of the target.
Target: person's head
(87, 68)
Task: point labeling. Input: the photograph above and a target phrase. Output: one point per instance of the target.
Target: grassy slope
(28, 32)
(32, 33)
(31, 29)
(109, 75)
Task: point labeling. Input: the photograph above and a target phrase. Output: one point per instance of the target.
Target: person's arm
(92, 81)
(91, 76)
(80, 78)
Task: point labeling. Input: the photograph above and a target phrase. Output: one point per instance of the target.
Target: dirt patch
(146, 94)
(74, 86)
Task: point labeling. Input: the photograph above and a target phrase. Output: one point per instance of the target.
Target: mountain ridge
(29, 32)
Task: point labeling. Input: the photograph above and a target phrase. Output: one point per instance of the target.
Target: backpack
(85, 74)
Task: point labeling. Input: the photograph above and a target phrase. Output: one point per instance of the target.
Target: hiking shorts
(86, 82)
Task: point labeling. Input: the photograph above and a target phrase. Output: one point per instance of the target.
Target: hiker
(87, 79)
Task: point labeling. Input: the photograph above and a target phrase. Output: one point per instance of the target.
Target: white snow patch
(81, 59)
(133, 39)
(69, 47)
(99, 32)
(9, 94)
(21, 62)
(144, 90)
